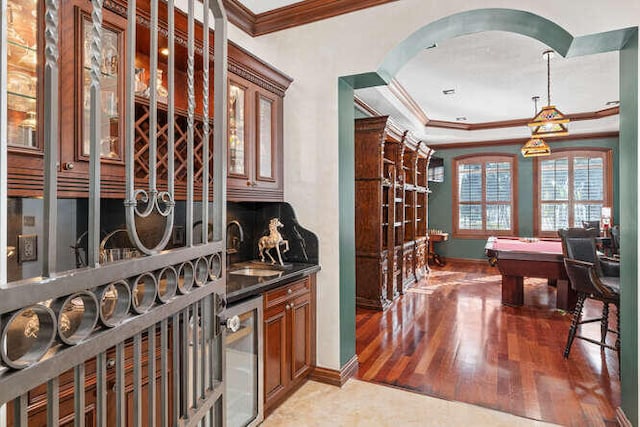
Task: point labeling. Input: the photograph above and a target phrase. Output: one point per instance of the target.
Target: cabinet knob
(68, 166)
(111, 363)
(289, 291)
(248, 183)
(287, 307)
(232, 323)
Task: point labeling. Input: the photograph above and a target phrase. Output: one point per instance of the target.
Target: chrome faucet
(233, 245)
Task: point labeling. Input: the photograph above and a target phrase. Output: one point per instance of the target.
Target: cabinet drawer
(285, 292)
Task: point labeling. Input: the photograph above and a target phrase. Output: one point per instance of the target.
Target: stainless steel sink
(252, 271)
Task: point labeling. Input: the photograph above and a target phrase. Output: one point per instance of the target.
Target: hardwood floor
(450, 337)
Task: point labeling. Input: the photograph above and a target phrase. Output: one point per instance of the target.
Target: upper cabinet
(256, 92)
(255, 143)
(23, 74)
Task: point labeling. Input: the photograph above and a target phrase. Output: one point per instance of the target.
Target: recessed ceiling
(260, 6)
(495, 74)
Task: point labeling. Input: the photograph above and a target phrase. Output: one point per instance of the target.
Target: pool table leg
(512, 290)
(566, 297)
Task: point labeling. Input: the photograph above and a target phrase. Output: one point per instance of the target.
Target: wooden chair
(588, 284)
(583, 248)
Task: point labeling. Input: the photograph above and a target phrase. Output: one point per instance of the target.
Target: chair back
(584, 278)
(591, 224)
(583, 249)
(615, 239)
(566, 233)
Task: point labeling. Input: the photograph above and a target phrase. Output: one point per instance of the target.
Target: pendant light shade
(535, 147)
(549, 121)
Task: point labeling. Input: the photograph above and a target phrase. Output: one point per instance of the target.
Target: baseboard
(335, 377)
(622, 419)
(467, 260)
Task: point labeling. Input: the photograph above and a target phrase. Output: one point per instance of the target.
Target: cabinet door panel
(266, 149)
(275, 351)
(300, 336)
(239, 154)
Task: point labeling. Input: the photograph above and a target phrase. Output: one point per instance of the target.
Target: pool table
(517, 259)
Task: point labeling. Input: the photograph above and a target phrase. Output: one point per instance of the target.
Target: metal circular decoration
(115, 299)
(27, 334)
(167, 284)
(77, 316)
(202, 271)
(144, 289)
(185, 277)
(215, 266)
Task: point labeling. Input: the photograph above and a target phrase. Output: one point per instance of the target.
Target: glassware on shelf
(22, 80)
(236, 130)
(108, 108)
(28, 127)
(109, 103)
(109, 55)
(108, 147)
(140, 86)
(160, 89)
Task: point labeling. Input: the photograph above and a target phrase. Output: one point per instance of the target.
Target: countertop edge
(260, 288)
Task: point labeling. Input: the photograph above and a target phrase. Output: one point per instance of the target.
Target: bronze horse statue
(273, 240)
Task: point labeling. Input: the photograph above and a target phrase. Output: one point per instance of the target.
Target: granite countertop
(240, 287)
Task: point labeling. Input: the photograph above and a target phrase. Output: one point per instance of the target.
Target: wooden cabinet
(289, 339)
(391, 207)
(261, 106)
(37, 398)
(254, 158)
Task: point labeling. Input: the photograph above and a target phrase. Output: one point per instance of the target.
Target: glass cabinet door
(265, 138)
(22, 72)
(110, 131)
(237, 136)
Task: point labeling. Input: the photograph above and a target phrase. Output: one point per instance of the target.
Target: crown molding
(240, 16)
(364, 107)
(407, 100)
(521, 141)
(403, 96)
(591, 115)
(293, 15)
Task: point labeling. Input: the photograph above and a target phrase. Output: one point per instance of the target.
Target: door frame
(625, 41)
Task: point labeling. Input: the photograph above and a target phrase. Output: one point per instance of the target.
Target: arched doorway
(528, 24)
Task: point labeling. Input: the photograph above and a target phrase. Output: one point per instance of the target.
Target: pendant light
(535, 146)
(549, 121)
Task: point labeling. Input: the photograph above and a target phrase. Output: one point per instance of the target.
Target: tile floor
(360, 404)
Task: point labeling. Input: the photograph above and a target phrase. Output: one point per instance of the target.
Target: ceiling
(494, 75)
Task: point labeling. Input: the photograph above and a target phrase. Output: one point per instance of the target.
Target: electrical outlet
(27, 248)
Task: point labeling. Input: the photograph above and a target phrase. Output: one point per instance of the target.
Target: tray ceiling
(494, 75)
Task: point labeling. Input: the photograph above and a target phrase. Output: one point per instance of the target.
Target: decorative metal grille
(157, 313)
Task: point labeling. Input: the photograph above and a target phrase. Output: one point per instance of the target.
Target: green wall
(347, 247)
(440, 200)
(629, 226)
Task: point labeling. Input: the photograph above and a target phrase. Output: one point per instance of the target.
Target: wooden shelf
(395, 260)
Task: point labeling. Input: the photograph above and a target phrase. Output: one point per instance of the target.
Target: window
(484, 195)
(572, 186)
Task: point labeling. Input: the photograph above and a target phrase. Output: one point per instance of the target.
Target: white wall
(315, 55)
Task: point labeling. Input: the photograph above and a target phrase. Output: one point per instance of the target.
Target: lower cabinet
(37, 398)
(289, 339)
